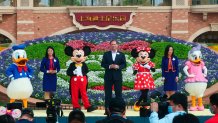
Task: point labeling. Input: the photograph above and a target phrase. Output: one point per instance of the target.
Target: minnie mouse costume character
(143, 81)
(78, 72)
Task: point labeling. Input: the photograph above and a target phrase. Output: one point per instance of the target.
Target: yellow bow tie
(79, 65)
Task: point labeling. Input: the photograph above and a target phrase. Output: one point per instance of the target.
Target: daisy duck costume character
(196, 83)
(143, 81)
(19, 73)
(78, 72)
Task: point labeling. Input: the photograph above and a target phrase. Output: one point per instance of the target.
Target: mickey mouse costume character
(20, 73)
(78, 72)
(143, 81)
(196, 83)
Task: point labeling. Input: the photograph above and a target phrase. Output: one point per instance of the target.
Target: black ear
(87, 50)
(152, 53)
(134, 53)
(68, 51)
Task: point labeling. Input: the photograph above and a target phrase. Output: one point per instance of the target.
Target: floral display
(99, 42)
(80, 44)
(128, 46)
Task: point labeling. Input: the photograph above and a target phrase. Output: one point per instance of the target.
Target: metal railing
(204, 2)
(57, 3)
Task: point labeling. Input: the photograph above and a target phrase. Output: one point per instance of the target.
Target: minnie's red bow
(147, 49)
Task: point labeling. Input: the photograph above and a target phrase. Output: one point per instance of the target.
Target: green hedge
(93, 84)
(64, 77)
(181, 51)
(128, 84)
(37, 51)
(94, 67)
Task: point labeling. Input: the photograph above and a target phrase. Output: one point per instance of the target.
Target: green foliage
(128, 84)
(155, 76)
(101, 75)
(64, 77)
(94, 66)
(97, 53)
(4, 44)
(209, 84)
(3, 103)
(37, 51)
(93, 84)
(181, 51)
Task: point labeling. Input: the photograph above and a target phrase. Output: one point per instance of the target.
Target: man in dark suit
(113, 61)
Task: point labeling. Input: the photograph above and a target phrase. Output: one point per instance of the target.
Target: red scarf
(170, 66)
(20, 68)
(51, 64)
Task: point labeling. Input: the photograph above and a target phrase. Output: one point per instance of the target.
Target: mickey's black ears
(68, 51)
(152, 53)
(134, 53)
(87, 50)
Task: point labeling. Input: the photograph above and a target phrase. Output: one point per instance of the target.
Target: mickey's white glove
(75, 71)
(147, 66)
(78, 71)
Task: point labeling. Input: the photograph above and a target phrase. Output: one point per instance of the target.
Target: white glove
(30, 76)
(147, 66)
(163, 78)
(12, 78)
(205, 71)
(75, 71)
(78, 71)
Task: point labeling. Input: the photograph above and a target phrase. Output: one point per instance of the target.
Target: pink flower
(80, 44)
(128, 46)
(104, 46)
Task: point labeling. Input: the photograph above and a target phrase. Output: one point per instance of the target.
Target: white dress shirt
(114, 55)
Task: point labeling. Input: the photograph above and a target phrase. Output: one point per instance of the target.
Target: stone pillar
(25, 20)
(179, 28)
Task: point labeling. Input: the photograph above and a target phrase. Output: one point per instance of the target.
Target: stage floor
(100, 113)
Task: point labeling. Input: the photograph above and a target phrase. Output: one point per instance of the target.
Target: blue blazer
(107, 61)
(45, 65)
(164, 65)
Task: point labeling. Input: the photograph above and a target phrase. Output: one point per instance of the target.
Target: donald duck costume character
(196, 83)
(19, 73)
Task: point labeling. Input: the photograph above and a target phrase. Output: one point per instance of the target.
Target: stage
(98, 114)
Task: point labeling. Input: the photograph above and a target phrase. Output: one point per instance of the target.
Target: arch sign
(102, 20)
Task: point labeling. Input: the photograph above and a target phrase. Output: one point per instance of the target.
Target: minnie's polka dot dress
(143, 78)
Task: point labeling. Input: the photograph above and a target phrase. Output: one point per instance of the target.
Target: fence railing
(56, 3)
